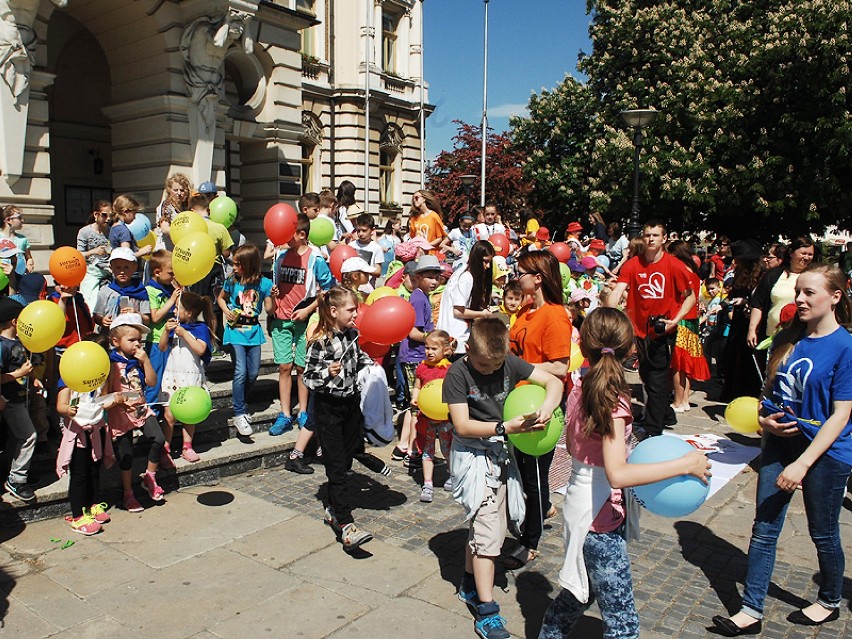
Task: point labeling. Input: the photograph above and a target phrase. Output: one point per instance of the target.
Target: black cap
(9, 309)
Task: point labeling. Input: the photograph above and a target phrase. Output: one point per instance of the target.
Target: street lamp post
(637, 119)
(467, 182)
(484, 105)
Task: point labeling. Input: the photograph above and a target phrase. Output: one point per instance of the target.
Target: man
(490, 224)
(659, 297)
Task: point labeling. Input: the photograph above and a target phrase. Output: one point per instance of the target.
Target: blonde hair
(336, 296)
(489, 337)
(123, 202)
(448, 340)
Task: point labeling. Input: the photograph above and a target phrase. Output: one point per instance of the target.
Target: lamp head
(638, 118)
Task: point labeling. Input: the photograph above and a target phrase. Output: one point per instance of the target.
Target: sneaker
(166, 461)
(330, 520)
(448, 485)
(398, 454)
(298, 465)
(149, 483)
(470, 597)
(302, 419)
(190, 455)
(131, 504)
(243, 425)
(22, 490)
(426, 494)
(84, 524)
(489, 624)
(282, 424)
(99, 513)
(353, 538)
(413, 461)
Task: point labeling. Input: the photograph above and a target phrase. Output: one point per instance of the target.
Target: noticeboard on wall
(80, 202)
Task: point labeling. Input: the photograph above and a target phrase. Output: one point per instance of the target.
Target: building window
(390, 23)
(307, 162)
(306, 6)
(387, 177)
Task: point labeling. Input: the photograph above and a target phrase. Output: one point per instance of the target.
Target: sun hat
(499, 268)
(575, 266)
(421, 243)
(574, 227)
(597, 244)
(427, 263)
(129, 319)
(543, 234)
(580, 294)
(589, 262)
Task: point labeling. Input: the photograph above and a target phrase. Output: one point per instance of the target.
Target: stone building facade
(101, 97)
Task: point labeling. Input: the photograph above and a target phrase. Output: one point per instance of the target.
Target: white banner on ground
(729, 458)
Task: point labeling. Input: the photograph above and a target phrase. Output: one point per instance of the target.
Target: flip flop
(519, 558)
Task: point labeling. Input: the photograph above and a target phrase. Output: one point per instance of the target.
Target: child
(356, 277)
(485, 476)
(368, 249)
(333, 361)
(240, 300)
(119, 234)
(598, 427)
(162, 297)
(211, 284)
(412, 349)
(438, 348)
(299, 275)
(191, 351)
(512, 299)
(499, 278)
(463, 237)
(86, 444)
(13, 222)
(130, 372)
(16, 369)
(122, 292)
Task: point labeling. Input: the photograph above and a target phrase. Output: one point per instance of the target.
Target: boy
(412, 350)
(122, 290)
(512, 298)
(309, 204)
(162, 299)
(299, 276)
(368, 249)
(119, 235)
(486, 477)
(16, 367)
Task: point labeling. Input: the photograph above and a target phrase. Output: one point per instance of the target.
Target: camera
(657, 323)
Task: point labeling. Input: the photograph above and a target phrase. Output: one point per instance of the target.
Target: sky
(532, 44)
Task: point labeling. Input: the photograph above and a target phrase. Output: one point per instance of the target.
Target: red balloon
(500, 243)
(67, 266)
(279, 223)
(387, 321)
(338, 256)
(561, 250)
(373, 350)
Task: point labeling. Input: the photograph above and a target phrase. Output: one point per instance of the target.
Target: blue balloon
(603, 260)
(675, 497)
(139, 227)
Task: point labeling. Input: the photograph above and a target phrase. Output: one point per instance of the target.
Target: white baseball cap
(129, 319)
(122, 253)
(355, 264)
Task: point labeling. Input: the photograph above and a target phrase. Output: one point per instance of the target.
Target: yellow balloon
(185, 223)
(577, 358)
(40, 326)
(193, 257)
(148, 240)
(382, 291)
(742, 413)
(431, 401)
(84, 367)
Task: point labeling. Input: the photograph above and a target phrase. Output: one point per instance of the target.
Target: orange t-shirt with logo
(541, 335)
(430, 227)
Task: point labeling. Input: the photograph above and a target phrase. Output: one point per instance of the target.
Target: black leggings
(83, 479)
(124, 444)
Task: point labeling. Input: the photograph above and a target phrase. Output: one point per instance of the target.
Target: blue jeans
(608, 567)
(823, 489)
(246, 368)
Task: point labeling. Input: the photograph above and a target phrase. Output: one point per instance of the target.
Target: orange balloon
(67, 266)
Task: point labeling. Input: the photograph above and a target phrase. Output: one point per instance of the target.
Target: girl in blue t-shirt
(807, 443)
(241, 300)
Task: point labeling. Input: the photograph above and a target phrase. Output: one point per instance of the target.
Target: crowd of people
(493, 306)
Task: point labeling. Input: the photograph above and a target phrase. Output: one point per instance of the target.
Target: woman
(807, 442)
(425, 220)
(344, 230)
(776, 290)
(688, 362)
(616, 246)
(93, 243)
(742, 367)
(13, 222)
(175, 200)
(541, 335)
(467, 295)
(721, 260)
(775, 256)
(598, 227)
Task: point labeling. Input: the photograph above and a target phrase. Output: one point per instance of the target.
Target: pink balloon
(279, 223)
(387, 321)
(561, 250)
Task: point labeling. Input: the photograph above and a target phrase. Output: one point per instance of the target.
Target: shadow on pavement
(533, 596)
(11, 527)
(367, 493)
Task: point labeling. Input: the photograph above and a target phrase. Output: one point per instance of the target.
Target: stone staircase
(223, 451)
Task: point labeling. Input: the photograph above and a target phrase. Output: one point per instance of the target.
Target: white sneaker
(243, 425)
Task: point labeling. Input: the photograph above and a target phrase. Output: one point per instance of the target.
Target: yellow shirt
(532, 227)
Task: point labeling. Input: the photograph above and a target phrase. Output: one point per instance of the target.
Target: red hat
(543, 233)
(597, 244)
(574, 227)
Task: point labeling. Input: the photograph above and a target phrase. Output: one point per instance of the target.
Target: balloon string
(540, 505)
(76, 317)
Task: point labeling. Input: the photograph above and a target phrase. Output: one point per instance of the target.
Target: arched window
(390, 166)
(311, 146)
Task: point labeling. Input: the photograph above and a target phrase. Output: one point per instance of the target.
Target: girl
(13, 222)
(240, 300)
(807, 442)
(85, 444)
(176, 194)
(439, 347)
(191, 352)
(355, 275)
(333, 361)
(426, 220)
(598, 427)
(93, 243)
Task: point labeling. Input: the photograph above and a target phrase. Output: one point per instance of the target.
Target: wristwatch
(499, 429)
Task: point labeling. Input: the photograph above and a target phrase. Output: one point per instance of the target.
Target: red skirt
(688, 356)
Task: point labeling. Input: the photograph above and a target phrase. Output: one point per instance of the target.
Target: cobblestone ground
(681, 579)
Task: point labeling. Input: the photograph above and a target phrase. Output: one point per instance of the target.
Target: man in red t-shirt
(659, 295)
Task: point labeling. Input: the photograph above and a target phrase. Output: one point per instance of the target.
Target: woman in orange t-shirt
(425, 220)
(540, 335)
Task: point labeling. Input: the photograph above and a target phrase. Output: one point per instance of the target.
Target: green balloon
(322, 231)
(223, 210)
(565, 274)
(4, 280)
(191, 405)
(540, 442)
(524, 400)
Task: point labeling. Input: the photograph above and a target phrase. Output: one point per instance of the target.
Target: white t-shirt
(456, 293)
(371, 253)
(484, 231)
